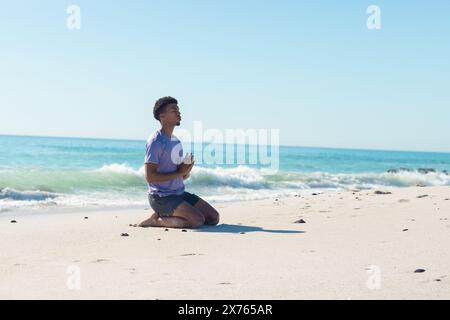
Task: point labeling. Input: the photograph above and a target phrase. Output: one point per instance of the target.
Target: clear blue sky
(310, 68)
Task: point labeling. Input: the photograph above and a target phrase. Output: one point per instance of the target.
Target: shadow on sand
(237, 228)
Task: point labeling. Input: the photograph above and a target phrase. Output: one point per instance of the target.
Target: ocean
(45, 172)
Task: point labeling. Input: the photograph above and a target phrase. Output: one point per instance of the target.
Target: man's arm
(189, 159)
(151, 174)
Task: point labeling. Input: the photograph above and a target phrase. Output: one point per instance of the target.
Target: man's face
(171, 115)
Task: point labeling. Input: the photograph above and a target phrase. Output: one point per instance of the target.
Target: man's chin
(178, 123)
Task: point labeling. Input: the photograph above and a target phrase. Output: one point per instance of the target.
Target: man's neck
(167, 130)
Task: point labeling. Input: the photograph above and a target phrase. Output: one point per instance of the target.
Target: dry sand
(352, 246)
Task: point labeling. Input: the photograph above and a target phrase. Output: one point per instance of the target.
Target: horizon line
(281, 145)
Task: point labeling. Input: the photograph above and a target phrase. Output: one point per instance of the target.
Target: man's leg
(211, 215)
(169, 222)
(184, 216)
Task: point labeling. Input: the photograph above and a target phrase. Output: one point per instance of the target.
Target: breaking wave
(120, 184)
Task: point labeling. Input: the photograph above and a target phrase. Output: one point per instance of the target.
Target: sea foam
(119, 184)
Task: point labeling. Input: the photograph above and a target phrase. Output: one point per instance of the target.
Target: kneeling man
(165, 172)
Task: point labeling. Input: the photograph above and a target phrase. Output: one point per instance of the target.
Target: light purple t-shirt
(167, 153)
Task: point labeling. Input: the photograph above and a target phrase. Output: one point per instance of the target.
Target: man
(165, 172)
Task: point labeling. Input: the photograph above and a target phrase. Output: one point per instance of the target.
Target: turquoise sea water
(38, 172)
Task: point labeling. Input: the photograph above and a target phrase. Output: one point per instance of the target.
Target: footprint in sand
(100, 260)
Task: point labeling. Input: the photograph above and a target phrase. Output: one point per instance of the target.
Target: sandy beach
(352, 245)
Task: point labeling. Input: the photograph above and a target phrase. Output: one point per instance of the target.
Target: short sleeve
(153, 152)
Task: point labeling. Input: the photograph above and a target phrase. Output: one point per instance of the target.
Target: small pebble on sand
(13, 221)
(124, 234)
(382, 192)
(419, 270)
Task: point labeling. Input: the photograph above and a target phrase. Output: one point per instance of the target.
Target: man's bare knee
(211, 215)
(214, 219)
(193, 216)
(197, 221)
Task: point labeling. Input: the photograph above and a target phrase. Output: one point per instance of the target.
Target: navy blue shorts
(165, 206)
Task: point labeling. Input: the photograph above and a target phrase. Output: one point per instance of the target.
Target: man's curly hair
(161, 104)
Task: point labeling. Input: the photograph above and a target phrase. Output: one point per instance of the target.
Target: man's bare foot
(167, 222)
(154, 221)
